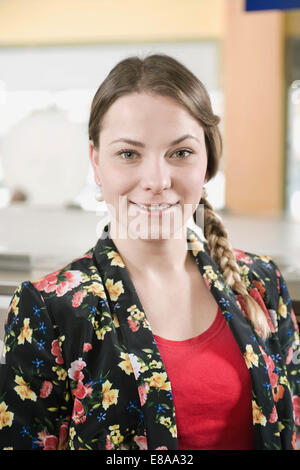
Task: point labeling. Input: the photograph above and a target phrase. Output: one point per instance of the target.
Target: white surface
(46, 155)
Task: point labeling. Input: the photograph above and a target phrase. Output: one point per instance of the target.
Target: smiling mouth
(155, 207)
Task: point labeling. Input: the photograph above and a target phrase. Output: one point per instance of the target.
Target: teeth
(155, 207)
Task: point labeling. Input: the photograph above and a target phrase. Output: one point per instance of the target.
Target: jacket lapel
(152, 381)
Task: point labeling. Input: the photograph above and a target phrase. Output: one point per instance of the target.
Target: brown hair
(164, 75)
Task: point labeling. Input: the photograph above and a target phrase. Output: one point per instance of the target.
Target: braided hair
(223, 254)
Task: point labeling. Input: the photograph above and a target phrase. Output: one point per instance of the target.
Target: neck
(154, 257)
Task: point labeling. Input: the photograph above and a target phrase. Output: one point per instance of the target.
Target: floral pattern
(82, 370)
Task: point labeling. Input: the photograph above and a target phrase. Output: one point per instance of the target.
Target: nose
(156, 176)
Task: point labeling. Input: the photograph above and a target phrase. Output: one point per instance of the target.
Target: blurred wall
(252, 73)
(292, 23)
(254, 109)
(87, 21)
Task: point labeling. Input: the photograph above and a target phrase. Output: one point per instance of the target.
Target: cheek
(115, 183)
(192, 181)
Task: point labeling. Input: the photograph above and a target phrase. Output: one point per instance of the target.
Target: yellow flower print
(100, 332)
(26, 332)
(143, 367)
(114, 436)
(196, 245)
(173, 431)
(109, 397)
(61, 373)
(72, 433)
(14, 304)
(114, 290)
(116, 321)
(250, 357)
(96, 288)
(114, 427)
(244, 270)
(209, 273)
(219, 285)
(116, 259)
(6, 417)
(284, 381)
(86, 278)
(266, 259)
(158, 380)
(135, 313)
(280, 426)
(23, 390)
(126, 364)
(155, 365)
(165, 421)
(282, 310)
(258, 416)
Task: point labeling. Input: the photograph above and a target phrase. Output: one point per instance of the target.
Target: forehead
(151, 110)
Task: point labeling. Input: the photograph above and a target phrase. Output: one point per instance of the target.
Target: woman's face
(151, 151)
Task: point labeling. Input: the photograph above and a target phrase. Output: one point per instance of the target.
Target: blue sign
(252, 5)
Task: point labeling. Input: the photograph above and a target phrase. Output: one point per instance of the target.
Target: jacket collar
(151, 378)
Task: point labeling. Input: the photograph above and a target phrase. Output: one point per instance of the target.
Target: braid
(223, 254)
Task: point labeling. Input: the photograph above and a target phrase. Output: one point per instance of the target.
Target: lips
(155, 203)
(155, 207)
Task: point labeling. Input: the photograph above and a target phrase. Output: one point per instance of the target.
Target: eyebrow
(140, 144)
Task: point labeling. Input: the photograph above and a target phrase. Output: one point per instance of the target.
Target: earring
(99, 195)
(204, 193)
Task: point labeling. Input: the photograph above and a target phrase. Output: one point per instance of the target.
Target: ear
(94, 158)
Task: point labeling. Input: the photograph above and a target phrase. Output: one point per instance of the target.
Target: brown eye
(180, 153)
(127, 154)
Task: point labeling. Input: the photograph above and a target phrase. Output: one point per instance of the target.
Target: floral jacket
(81, 368)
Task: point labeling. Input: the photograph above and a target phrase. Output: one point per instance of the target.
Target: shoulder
(260, 266)
(65, 289)
(67, 278)
(266, 283)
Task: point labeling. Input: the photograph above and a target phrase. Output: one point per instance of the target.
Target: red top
(211, 389)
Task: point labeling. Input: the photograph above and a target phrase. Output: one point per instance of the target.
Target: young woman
(154, 338)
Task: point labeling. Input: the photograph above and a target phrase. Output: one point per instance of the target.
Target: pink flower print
(50, 282)
(78, 412)
(73, 278)
(133, 325)
(142, 391)
(80, 391)
(274, 416)
(78, 298)
(289, 356)
(270, 367)
(56, 351)
(47, 441)
(87, 347)
(241, 256)
(46, 389)
(296, 405)
(109, 445)
(75, 370)
(63, 435)
(47, 283)
(141, 442)
(50, 443)
(83, 391)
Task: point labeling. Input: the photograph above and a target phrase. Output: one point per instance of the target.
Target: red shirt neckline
(216, 326)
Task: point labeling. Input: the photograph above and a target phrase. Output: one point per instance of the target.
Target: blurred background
(53, 57)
